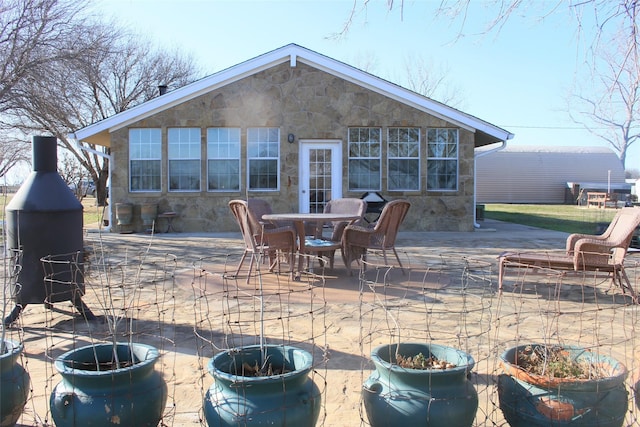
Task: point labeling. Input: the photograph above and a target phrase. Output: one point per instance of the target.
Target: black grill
(375, 204)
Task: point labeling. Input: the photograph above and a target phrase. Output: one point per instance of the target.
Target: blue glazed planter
(396, 396)
(14, 384)
(538, 401)
(289, 399)
(133, 395)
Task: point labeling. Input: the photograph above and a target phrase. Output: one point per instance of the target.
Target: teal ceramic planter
(396, 396)
(133, 395)
(529, 400)
(288, 399)
(14, 384)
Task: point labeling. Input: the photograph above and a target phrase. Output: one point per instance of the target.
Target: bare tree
(13, 150)
(32, 33)
(73, 173)
(420, 75)
(112, 71)
(610, 107)
(610, 28)
(603, 13)
(429, 79)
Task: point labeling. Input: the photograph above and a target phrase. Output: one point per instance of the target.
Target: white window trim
(389, 158)
(131, 190)
(199, 159)
(457, 160)
(248, 161)
(239, 160)
(349, 158)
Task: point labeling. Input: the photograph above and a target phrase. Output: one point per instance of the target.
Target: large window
(364, 158)
(184, 159)
(223, 159)
(263, 154)
(442, 159)
(145, 159)
(403, 156)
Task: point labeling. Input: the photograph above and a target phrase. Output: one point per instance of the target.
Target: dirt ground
(172, 291)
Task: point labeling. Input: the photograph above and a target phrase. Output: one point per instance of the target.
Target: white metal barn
(537, 174)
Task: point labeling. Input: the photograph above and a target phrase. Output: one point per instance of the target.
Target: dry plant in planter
(543, 384)
(112, 382)
(418, 381)
(262, 384)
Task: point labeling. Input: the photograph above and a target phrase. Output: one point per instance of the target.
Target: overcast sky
(518, 78)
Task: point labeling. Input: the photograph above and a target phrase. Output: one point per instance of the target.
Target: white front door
(320, 172)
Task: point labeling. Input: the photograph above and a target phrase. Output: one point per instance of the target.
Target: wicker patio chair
(326, 248)
(584, 252)
(381, 235)
(260, 240)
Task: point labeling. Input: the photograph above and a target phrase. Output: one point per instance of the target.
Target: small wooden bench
(599, 199)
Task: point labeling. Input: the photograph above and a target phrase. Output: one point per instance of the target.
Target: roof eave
(486, 133)
(398, 93)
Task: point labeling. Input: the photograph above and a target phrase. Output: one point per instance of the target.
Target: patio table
(299, 220)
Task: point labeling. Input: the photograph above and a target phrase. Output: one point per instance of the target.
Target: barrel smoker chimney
(44, 219)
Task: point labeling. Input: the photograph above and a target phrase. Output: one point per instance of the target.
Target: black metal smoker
(44, 219)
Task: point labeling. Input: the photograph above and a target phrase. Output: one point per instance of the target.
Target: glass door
(320, 173)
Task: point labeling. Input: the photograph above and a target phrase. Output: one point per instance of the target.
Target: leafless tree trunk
(110, 70)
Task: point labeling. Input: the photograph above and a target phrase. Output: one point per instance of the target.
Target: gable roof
(98, 133)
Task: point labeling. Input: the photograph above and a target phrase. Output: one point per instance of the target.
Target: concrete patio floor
(447, 296)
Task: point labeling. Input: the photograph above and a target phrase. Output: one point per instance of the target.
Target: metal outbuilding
(540, 174)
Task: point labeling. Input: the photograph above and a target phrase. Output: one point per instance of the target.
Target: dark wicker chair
(260, 240)
(381, 235)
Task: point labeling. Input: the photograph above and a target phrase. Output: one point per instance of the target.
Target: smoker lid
(44, 191)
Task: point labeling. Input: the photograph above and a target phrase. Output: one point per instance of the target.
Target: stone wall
(310, 104)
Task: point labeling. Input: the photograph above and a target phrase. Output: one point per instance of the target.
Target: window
(145, 156)
(223, 159)
(442, 159)
(403, 156)
(184, 159)
(364, 158)
(263, 154)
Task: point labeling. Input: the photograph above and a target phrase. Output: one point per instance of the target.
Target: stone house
(296, 128)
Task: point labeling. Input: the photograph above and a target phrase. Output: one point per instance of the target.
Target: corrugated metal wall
(540, 174)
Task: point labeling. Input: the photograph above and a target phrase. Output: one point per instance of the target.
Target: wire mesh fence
(271, 313)
(191, 308)
(453, 301)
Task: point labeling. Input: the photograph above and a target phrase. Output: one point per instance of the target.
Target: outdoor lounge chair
(327, 247)
(260, 240)
(600, 253)
(381, 235)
